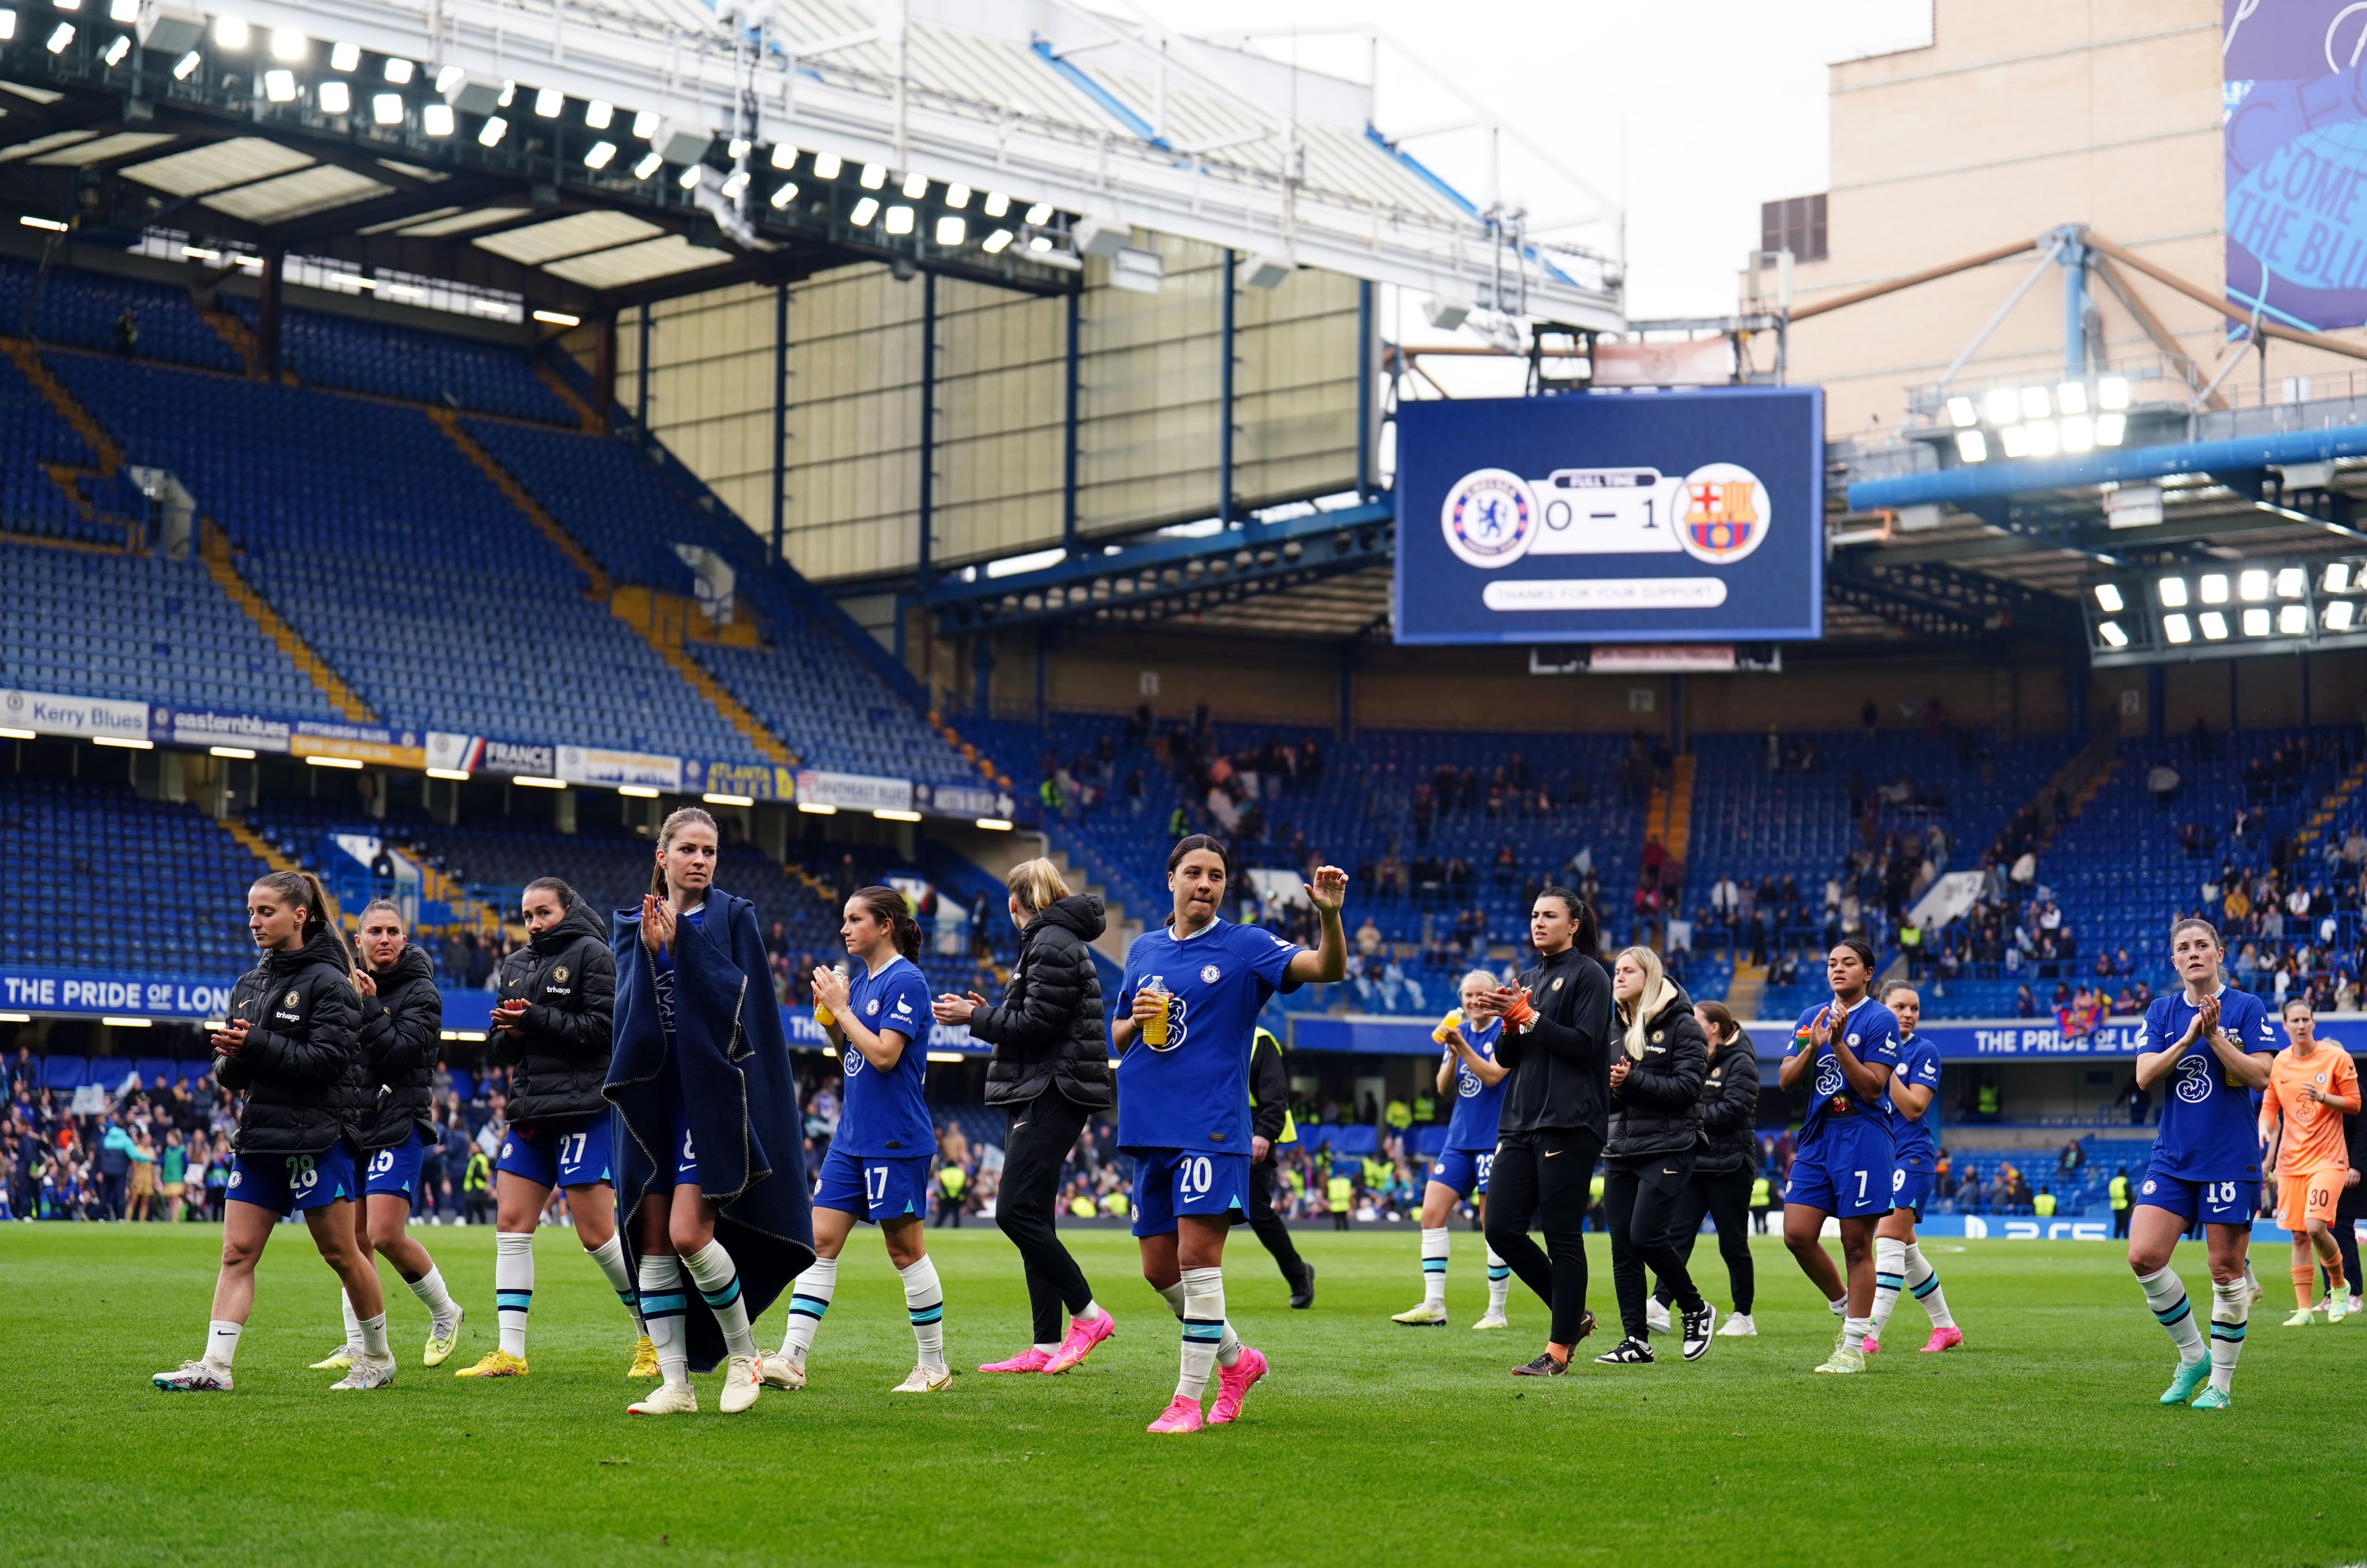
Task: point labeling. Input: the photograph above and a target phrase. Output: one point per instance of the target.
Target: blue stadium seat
(60, 1072)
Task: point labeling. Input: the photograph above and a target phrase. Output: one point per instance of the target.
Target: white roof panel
(636, 263)
(43, 143)
(316, 190)
(218, 166)
(538, 243)
(122, 144)
(435, 227)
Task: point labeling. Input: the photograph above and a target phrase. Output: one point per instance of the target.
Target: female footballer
(2211, 1043)
(1186, 1013)
(877, 1167)
(289, 1045)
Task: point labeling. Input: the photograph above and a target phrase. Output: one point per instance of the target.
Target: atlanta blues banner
(1612, 517)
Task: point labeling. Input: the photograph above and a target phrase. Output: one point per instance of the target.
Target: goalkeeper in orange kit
(2311, 1089)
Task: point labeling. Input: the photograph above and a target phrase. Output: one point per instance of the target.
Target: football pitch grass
(2040, 1439)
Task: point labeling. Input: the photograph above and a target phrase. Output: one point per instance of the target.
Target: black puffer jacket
(559, 1057)
(1049, 1031)
(402, 1033)
(1729, 1140)
(1561, 1066)
(301, 1064)
(1658, 1110)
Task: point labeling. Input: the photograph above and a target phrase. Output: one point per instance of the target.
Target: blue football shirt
(2209, 1130)
(1919, 1067)
(1472, 1124)
(1872, 1033)
(662, 987)
(1193, 1093)
(885, 1114)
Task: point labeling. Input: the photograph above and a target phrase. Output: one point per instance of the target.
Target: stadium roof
(450, 138)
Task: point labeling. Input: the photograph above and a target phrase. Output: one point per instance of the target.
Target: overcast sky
(1722, 103)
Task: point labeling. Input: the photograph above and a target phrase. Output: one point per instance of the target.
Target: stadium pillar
(1363, 388)
(641, 390)
(1043, 664)
(1069, 435)
(1346, 729)
(928, 419)
(604, 364)
(981, 668)
(2074, 257)
(780, 413)
(266, 314)
(1225, 403)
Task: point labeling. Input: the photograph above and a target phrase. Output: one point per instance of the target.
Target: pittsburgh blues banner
(1612, 517)
(2294, 91)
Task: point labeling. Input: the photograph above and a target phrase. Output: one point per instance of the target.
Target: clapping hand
(951, 1009)
(657, 923)
(229, 1037)
(1618, 1074)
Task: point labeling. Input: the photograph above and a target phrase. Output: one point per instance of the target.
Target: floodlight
(900, 221)
(2213, 587)
(2215, 626)
(600, 155)
(386, 108)
(2035, 403)
(2291, 582)
(2177, 629)
(334, 97)
(996, 205)
(2002, 406)
(2112, 635)
(1962, 413)
(345, 56)
(2111, 428)
(865, 212)
(2292, 620)
(997, 242)
(2071, 397)
(1971, 447)
(951, 230)
(2112, 393)
(2253, 585)
(2172, 592)
(596, 115)
(2108, 597)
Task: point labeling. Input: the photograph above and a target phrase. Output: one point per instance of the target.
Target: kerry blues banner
(2294, 103)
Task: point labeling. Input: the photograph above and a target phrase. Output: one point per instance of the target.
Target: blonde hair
(1485, 976)
(1037, 884)
(1655, 995)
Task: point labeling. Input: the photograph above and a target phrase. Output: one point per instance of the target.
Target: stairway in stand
(213, 548)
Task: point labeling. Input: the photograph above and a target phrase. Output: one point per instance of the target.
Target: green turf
(2040, 1439)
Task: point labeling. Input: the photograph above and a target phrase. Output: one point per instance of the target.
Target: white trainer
(925, 1380)
(779, 1371)
(1738, 1325)
(740, 1386)
(1656, 1317)
(667, 1399)
(367, 1371)
(1423, 1317)
(194, 1377)
(1493, 1320)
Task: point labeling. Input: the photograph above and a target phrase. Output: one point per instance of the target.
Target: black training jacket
(1729, 1128)
(401, 1034)
(1049, 1031)
(1658, 1110)
(1560, 1068)
(559, 1057)
(301, 1064)
(1269, 1088)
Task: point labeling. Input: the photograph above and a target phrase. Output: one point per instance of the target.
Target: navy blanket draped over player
(732, 1067)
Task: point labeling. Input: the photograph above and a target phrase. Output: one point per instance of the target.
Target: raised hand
(1328, 890)
(657, 923)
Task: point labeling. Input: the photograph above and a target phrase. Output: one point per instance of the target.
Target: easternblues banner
(2294, 93)
(1612, 517)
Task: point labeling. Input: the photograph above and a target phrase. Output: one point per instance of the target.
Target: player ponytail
(303, 890)
(1719, 1018)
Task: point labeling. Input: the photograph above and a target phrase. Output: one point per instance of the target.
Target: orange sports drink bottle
(822, 1015)
(1154, 1028)
(1447, 1026)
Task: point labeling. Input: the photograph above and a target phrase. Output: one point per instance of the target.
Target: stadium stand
(413, 577)
(141, 628)
(417, 367)
(831, 709)
(83, 309)
(176, 879)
